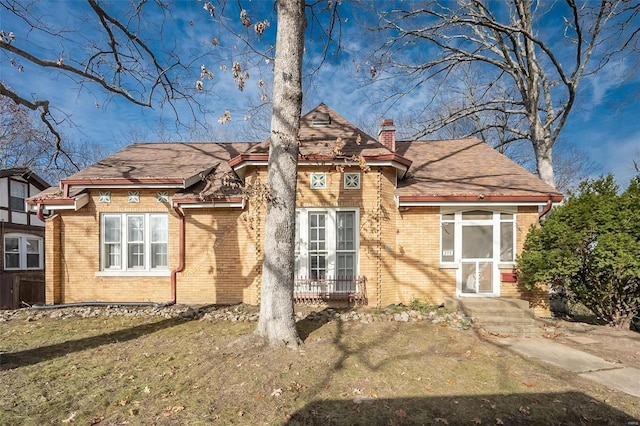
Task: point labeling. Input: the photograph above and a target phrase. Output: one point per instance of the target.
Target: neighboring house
(378, 221)
(22, 235)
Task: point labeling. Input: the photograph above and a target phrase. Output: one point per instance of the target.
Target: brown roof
(159, 161)
(465, 167)
(456, 170)
(320, 140)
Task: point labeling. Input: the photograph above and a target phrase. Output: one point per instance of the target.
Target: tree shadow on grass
(562, 408)
(32, 356)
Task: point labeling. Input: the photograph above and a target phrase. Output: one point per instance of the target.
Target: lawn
(148, 369)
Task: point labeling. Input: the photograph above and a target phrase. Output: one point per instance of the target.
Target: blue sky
(605, 121)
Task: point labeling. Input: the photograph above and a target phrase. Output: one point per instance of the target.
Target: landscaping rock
(239, 313)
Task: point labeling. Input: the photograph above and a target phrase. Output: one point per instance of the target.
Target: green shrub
(590, 247)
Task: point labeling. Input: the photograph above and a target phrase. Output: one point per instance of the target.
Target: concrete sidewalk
(615, 376)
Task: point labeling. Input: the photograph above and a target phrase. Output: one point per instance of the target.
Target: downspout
(180, 268)
(546, 209)
(40, 212)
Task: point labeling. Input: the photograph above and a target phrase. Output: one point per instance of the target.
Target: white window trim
(314, 177)
(345, 180)
(12, 184)
(22, 253)
(124, 247)
(495, 221)
(330, 237)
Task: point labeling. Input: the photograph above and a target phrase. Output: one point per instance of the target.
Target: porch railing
(312, 290)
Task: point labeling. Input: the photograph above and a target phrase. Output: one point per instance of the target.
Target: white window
(476, 242)
(318, 180)
(137, 242)
(352, 180)
(326, 243)
(18, 196)
(477, 234)
(22, 251)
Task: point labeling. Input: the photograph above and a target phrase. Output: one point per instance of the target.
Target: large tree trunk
(277, 324)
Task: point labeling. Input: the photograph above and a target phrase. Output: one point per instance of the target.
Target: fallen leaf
(276, 392)
(122, 402)
(499, 422)
(528, 384)
(357, 391)
(259, 396)
(427, 388)
(476, 421)
(401, 413)
(177, 408)
(451, 382)
(167, 394)
(70, 419)
(133, 411)
(326, 385)
(442, 420)
(146, 389)
(96, 420)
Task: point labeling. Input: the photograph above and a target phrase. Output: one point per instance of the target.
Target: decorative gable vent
(320, 119)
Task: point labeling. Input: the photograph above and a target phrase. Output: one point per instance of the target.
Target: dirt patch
(195, 369)
(610, 344)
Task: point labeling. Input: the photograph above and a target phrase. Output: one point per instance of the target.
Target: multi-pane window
(135, 242)
(18, 195)
(318, 180)
(345, 245)
(326, 243)
(477, 234)
(22, 251)
(352, 180)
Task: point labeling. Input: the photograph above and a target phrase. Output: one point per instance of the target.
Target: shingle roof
(142, 161)
(465, 167)
(320, 140)
(456, 168)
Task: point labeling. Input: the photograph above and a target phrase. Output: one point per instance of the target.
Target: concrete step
(500, 316)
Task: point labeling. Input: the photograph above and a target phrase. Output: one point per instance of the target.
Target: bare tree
(526, 73)
(277, 324)
(112, 53)
(26, 142)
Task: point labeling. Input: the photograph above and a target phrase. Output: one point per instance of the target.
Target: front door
(477, 274)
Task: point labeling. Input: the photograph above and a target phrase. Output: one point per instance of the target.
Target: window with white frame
(23, 251)
(352, 180)
(326, 243)
(477, 234)
(318, 180)
(135, 242)
(18, 196)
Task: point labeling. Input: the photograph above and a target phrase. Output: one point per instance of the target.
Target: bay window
(135, 242)
(326, 243)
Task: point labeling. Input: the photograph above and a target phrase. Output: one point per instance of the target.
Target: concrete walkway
(614, 376)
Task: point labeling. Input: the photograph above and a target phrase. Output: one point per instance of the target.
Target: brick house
(378, 221)
(22, 236)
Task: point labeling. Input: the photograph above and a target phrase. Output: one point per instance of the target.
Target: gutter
(181, 254)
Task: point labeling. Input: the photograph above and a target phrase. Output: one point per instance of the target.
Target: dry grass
(176, 371)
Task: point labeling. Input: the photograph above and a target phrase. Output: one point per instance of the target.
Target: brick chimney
(387, 134)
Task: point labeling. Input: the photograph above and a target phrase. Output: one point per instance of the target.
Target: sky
(605, 121)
